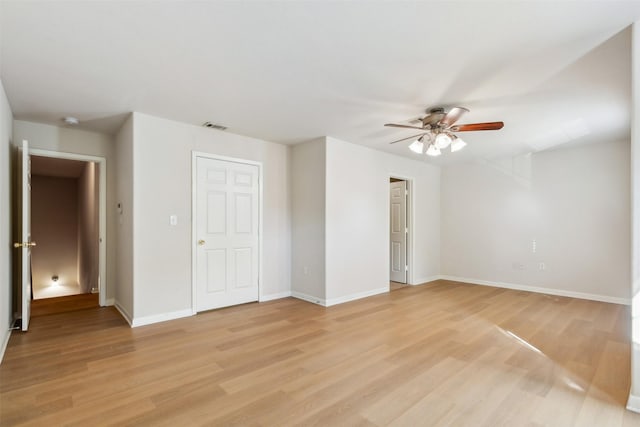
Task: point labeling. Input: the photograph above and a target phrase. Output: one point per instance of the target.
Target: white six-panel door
(227, 235)
(22, 274)
(26, 234)
(398, 227)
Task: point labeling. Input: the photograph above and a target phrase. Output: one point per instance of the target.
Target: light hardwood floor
(439, 354)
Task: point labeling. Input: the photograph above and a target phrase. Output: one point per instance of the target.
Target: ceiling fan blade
(409, 137)
(393, 125)
(433, 118)
(453, 115)
(477, 126)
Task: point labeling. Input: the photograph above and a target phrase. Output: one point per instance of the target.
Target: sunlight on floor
(563, 373)
(521, 341)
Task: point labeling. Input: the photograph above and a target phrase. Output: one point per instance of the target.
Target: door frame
(410, 234)
(102, 212)
(194, 232)
(25, 287)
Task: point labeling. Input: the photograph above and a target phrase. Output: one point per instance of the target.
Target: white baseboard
(539, 290)
(109, 302)
(123, 312)
(358, 295)
(425, 280)
(5, 342)
(162, 317)
(338, 300)
(633, 404)
(271, 297)
(309, 298)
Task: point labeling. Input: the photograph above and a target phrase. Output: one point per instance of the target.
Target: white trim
(539, 290)
(339, 300)
(194, 247)
(425, 280)
(271, 297)
(162, 317)
(358, 295)
(309, 298)
(5, 343)
(225, 158)
(194, 194)
(633, 404)
(102, 210)
(123, 312)
(109, 302)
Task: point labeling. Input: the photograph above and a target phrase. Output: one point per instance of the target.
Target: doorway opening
(399, 232)
(64, 223)
(68, 224)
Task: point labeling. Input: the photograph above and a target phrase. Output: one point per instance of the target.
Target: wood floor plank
(446, 353)
(395, 402)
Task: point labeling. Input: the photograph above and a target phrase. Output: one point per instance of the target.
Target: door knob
(24, 245)
(201, 242)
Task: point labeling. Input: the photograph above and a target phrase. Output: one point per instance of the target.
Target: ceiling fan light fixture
(71, 121)
(417, 146)
(440, 128)
(433, 151)
(443, 140)
(457, 144)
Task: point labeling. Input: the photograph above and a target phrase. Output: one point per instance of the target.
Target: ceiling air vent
(214, 126)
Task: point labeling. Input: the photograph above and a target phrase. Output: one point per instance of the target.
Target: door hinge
(406, 230)
(406, 192)
(406, 268)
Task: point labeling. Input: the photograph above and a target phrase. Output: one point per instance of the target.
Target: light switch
(173, 220)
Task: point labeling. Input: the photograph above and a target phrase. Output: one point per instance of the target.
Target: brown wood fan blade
(477, 126)
(409, 137)
(393, 125)
(453, 116)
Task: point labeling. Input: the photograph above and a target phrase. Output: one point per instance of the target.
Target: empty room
(373, 213)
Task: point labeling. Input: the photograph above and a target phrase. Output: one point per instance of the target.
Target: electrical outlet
(542, 266)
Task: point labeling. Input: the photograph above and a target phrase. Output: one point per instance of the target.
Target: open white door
(24, 217)
(398, 228)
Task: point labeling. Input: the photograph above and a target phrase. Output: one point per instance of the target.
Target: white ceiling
(554, 72)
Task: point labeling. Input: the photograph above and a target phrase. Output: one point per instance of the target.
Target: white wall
(88, 228)
(54, 227)
(6, 127)
(573, 201)
(634, 393)
(162, 153)
(124, 228)
(308, 175)
(70, 140)
(357, 219)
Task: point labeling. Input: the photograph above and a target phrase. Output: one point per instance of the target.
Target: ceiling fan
(439, 127)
